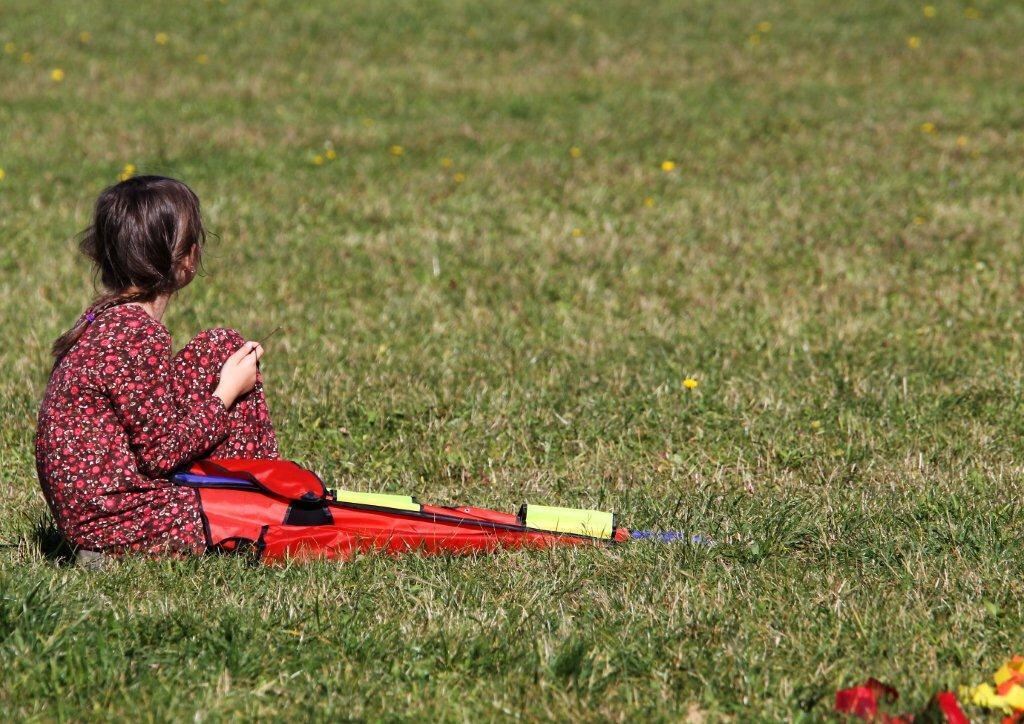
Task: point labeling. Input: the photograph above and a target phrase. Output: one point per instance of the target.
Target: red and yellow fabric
(287, 512)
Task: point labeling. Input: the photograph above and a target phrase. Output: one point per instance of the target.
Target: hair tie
(90, 318)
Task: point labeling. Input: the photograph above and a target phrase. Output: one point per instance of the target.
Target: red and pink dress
(120, 414)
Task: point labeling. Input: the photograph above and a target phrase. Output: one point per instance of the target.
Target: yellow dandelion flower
(667, 166)
(202, 59)
(929, 11)
(10, 47)
(396, 150)
(85, 37)
(913, 42)
(649, 202)
(447, 162)
(26, 57)
(927, 127)
(575, 152)
(3, 174)
(162, 38)
(577, 232)
(459, 177)
(754, 39)
(961, 141)
(764, 27)
(330, 154)
(318, 160)
(127, 172)
(57, 75)
(816, 424)
(972, 13)
(690, 383)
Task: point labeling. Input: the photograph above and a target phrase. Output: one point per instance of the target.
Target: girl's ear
(189, 266)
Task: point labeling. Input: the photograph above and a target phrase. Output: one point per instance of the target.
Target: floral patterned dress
(120, 414)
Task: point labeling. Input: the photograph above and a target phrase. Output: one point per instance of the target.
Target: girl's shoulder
(116, 338)
(126, 323)
(129, 315)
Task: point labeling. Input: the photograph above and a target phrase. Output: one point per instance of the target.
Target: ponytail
(63, 344)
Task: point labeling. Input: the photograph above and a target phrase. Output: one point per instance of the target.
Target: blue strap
(208, 481)
(671, 536)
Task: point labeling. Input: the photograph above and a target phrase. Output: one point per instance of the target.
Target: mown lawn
(476, 312)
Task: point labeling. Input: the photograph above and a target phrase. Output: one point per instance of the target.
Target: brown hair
(142, 232)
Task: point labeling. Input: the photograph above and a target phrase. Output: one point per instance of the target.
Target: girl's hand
(239, 373)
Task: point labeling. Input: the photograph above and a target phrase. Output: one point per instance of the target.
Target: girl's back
(97, 416)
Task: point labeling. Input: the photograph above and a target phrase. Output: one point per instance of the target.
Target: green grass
(844, 285)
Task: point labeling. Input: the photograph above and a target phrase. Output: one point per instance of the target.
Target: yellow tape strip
(593, 523)
(378, 500)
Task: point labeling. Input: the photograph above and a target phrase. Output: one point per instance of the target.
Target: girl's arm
(164, 431)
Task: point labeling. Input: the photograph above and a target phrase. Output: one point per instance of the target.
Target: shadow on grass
(54, 546)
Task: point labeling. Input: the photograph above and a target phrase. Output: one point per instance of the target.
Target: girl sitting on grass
(120, 412)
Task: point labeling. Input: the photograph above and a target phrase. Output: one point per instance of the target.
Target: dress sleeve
(164, 430)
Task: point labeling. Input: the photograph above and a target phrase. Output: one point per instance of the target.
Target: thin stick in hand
(267, 336)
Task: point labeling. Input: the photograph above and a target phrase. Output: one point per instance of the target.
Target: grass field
(492, 287)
